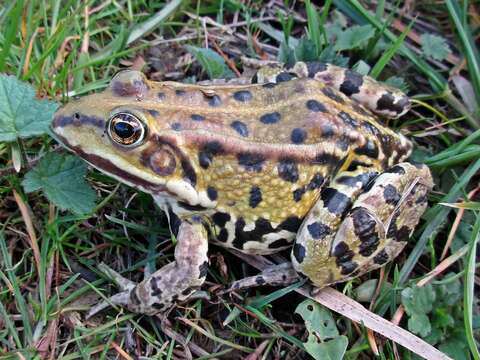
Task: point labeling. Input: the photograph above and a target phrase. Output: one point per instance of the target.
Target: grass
(49, 257)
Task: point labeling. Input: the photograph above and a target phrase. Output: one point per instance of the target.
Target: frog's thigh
(375, 96)
(373, 231)
(179, 279)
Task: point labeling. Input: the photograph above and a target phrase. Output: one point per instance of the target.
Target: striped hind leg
(375, 96)
(337, 243)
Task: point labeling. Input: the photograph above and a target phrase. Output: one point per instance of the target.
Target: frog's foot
(337, 243)
(175, 281)
(276, 275)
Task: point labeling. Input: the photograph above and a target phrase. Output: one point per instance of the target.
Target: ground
(55, 229)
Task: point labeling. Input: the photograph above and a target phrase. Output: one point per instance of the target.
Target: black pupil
(123, 129)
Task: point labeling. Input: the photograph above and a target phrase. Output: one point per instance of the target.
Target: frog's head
(118, 132)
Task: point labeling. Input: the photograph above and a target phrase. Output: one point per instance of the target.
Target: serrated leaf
(418, 300)
(354, 37)
(21, 114)
(434, 46)
(211, 62)
(62, 179)
(419, 324)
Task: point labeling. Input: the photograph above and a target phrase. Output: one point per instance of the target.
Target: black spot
(332, 94)
(284, 76)
(298, 194)
(222, 235)
(401, 234)
(176, 126)
(189, 207)
(365, 228)
(315, 106)
(348, 119)
(355, 164)
(299, 252)
(318, 230)
(397, 169)
(203, 269)
(134, 297)
(152, 112)
(352, 181)
(180, 92)
(370, 149)
(262, 227)
(326, 159)
(208, 151)
(259, 280)
(381, 258)
(214, 100)
(391, 195)
(189, 173)
(352, 82)
(251, 161)
(212, 193)
(220, 218)
(270, 118)
(336, 202)
(316, 182)
(287, 170)
(292, 224)
(242, 95)
(327, 130)
(315, 67)
(240, 128)
(161, 95)
(196, 117)
(269, 85)
(298, 135)
(280, 243)
(348, 267)
(387, 102)
(156, 291)
(187, 291)
(255, 196)
(343, 143)
(158, 306)
(372, 129)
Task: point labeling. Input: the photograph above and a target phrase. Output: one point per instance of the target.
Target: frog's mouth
(108, 167)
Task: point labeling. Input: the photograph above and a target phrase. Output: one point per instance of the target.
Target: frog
(296, 160)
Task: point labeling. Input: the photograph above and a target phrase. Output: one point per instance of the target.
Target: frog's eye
(126, 129)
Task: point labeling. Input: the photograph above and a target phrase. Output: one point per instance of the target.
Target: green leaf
(324, 341)
(211, 62)
(62, 179)
(21, 114)
(354, 37)
(434, 46)
(418, 300)
(419, 324)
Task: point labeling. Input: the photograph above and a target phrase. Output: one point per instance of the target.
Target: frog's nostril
(76, 116)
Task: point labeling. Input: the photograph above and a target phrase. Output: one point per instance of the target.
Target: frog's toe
(121, 299)
(123, 283)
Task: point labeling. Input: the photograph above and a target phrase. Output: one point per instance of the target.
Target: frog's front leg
(175, 281)
(359, 225)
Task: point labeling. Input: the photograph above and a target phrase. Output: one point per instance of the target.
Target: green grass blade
(469, 49)
(469, 295)
(21, 304)
(154, 21)
(387, 55)
(11, 32)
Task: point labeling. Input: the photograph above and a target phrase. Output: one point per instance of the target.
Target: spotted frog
(297, 160)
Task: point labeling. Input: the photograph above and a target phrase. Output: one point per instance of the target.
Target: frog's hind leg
(334, 246)
(375, 96)
(175, 281)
